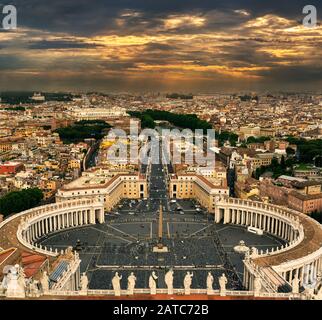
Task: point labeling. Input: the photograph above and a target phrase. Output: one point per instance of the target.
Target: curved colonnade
(300, 258)
(44, 220)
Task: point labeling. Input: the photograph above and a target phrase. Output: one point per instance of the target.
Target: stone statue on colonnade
(116, 284)
(187, 282)
(210, 281)
(34, 289)
(152, 283)
(44, 281)
(84, 282)
(295, 285)
(131, 280)
(22, 276)
(15, 288)
(168, 279)
(222, 284)
(257, 286)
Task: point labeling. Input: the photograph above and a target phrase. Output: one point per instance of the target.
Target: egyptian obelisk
(160, 247)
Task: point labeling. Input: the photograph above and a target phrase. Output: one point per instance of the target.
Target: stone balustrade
(165, 292)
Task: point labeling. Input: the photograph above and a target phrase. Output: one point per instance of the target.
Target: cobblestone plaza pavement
(124, 243)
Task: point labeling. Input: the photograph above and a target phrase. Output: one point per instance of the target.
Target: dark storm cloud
(62, 44)
(117, 65)
(159, 46)
(295, 74)
(83, 17)
(11, 62)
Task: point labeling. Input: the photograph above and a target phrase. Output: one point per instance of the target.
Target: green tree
(274, 163)
(317, 215)
(283, 164)
(290, 151)
(17, 201)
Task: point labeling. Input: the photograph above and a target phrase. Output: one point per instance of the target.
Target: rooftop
(311, 243)
(292, 178)
(95, 182)
(11, 163)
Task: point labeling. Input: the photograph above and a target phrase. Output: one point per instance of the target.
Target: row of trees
(247, 97)
(224, 136)
(186, 121)
(17, 201)
(84, 129)
(257, 140)
(308, 151)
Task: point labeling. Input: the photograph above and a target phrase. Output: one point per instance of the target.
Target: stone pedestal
(222, 293)
(210, 291)
(153, 291)
(117, 293)
(83, 293)
(15, 290)
(187, 291)
(159, 249)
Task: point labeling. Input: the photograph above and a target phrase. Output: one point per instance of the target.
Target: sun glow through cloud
(185, 47)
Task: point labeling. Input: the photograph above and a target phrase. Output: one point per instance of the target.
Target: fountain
(241, 247)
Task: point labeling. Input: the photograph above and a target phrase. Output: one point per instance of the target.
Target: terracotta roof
(302, 184)
(5, 254)
(32, 263)
(306, 196)
(8, 240)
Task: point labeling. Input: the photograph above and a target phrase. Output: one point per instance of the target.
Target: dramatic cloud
(161, 45)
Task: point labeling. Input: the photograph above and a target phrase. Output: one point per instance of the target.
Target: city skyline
(187, 47)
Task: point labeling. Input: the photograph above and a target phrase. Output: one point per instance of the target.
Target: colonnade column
(274, 226)
(85, 217)
(268, 223)
(81, 217)
(31, 233)
(279, 228)
(68, 220)
(38, 229)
